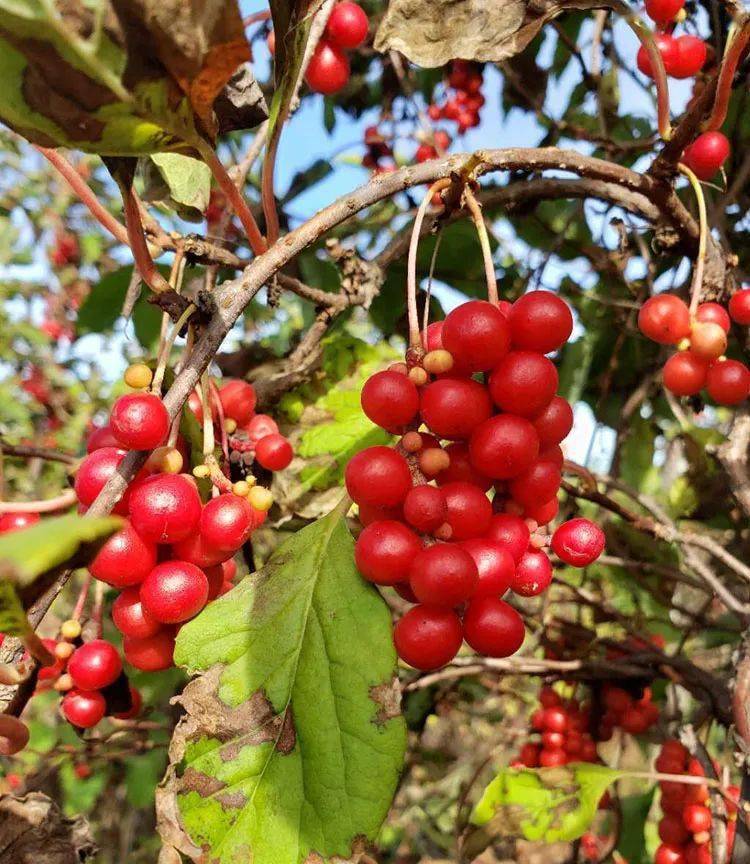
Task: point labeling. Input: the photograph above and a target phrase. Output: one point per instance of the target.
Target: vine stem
(161, 365)
(729, 63)
(411, 264)
(59, 502)
(142, 257)
(85, 194)
(646, 38)
(700, 261)
(484, 242)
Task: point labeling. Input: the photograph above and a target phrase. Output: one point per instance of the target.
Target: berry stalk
(167, 348)
(700, 261)
(732, 55)
(484, 242)
(646, 39)
(143, 261)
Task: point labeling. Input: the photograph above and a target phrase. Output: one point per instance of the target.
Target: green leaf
(102, 307)
(13, 620)
(549, 804)
(80, 795)
(631, 844)
(292, 741)
(142, 774)
(179, 182)
(574, 366)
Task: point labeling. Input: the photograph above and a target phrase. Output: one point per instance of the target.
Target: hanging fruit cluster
(346, 29)
(431, 529)
(464, 99)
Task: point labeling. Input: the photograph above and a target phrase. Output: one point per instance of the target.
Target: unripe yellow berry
(230, 425)
(260, 498)
(63, 650)
(63, 683)
(418, 376)
(240, 488)
(201, 471)
(437, 362)
(70, 629)
(138, 376)
(167, 460)
(412, 442)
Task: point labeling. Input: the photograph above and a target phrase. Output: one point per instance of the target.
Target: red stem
(729, 64)
(143, 261)
(646, 38)
(59, 502)
(221, 421)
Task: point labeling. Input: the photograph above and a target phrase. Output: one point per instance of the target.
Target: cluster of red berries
(431, 530)
(700, 363)
(685, 826)
(635, 715)
(464, 103)
(346, 29)
(65, 249)
(377, 149)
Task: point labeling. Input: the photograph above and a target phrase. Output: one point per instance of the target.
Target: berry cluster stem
(735, 48)
(646, 39)
(166, 349)
(700, 261)
(143, 261)
(484, 242)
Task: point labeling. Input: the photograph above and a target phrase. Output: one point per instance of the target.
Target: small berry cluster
(635, 715)
(464, 104)
(683, 56)
(700, 363)
(431, 530)
(377, 150)
(65, 249)
(685, 826)
(346, 29)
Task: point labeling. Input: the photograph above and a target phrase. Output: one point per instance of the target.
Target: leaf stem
(484, 242)
(732, 55)
(700, 261)
(646, 38)
(142, 257)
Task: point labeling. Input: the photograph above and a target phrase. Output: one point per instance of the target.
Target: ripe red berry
(328, 70)
(453, 407)
(540, 321)
(555, 719)
(390, 400)
(477, 335)
(274, 452)
(493, 628)
(667, 46)
(663, 11)
(174, 591)
(672, 831)
(554, 422)
(428, 637)
(715, 313)
(124, 559)
(523, 383)
(139, 421)
(130, 618)
(494, 564)
(511, 532)
(706, 154)
(195, 550)
(529, 755)
(94, 472)
(533, 574)
(151, 654)
(83, 709)
(578, 542)
(347, 25)
(739, 306)
(685, 374)
(469, 510)
(552, 757)
(384, 552)
(538, 483)
(102, 436)
(664, 319)
(425, 152)
(696, 818)
(226, 522)
(94, 665)
(378, 476)
(728, 382)
(461, 469)
(503, 446)
(17, 521)
(238, 400)
(260, 426)
(165, 508)
(691, 54)
(425, 508)
(443, 575)
(668, 854)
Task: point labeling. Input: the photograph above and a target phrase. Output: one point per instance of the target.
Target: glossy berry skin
(685, 374)
(428, 637)
(540, 321)
(151, 654)
(443, 575)
(94, 665)
(328, 70)
(728, 382)
(477, 335)
(469, 510)
(552, 757)
(347, 25)
(706, 154)
(663, 11)
(533, 574)
(453, 407)
(93, 474)
(696, 818)
(174, 591)
(538, 483)
(461, 469)
(554, 422)
(274, 452)
(390, 400)
(260, 426)
(384, 552)
(667, 46)
(708, 340)
(664, 319)
(226, 522)
(739, 306)
(523, 383)
(17, 521)
(691, 56)
(102, 436)
(503, 446)
(714, 313)
(493, 628)
(165, 508)
(124, 559)
(195, 550)
(378, 476)
(667, 854)
(578, 542)
(130, 618)
(83, 709)
(672, 831)
(511, 532)
(494, 564)
(238, 400)
(543, 513)
(139, 421)
(425, 508)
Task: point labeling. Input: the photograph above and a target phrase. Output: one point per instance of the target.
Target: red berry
(428, 637)
(94, 472)
(328, 70)
(706, 154)
(553, 740)
(578, 542)
(83, 709)
(664, 319)
(494, 564)
(555, 719)
(425, 152)
(102, 436)
(533, 574)
(165, 508)
(124, 559)
(708, 340)
(461, 469)
(390, 400)
(672, 831)
(94, 665)
(477, 335)
(130, 618)
(540, 321)
(685, 373)
(668, 854)
(195, 550)
(503, 446)
(274, 452)
(667, 46)
(369, 514)
(714, 313)
(139, 421)
(691, 54)
(378, 476)
(17, 521)
(552, 757)
(663, 11)
(260, 426)
(238, 400)
(384, 552)
(529, 755)
(493, 628)
(136, 704)
(511, 532)
(425, 508)
(728, 382)
(538, 483)
(174, 591)
(453, 407)
(635, 721)
(544, 513)
(523, 383)
(226, 522)
(554, 422)
(151, 654)
(469, 510)
(739, 306)
(443, 575)
(347, 25)
(442, 141)
(701, 853)
(696, 818)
